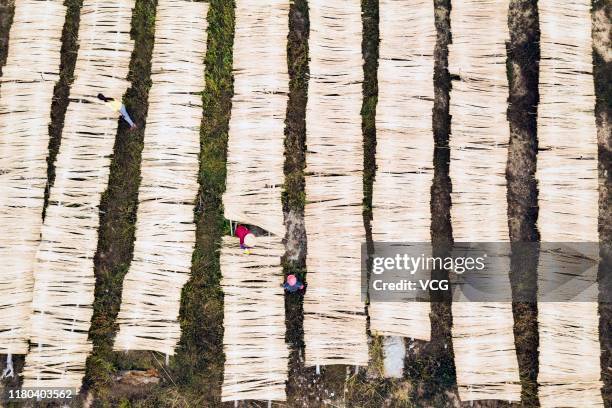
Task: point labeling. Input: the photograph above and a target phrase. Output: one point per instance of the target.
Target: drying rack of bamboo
(568, 197)
(256, 129)
(256, 355)
(26, 92)
(483, 338)
(404, 149)
(334, 319)
(165, 229)
(64, 278)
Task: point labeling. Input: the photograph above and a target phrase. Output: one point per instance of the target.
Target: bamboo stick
(64, 279)
(165, 229)
(334, 319)
(483, 339)
(26, 93)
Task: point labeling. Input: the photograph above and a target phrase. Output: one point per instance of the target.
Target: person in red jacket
(247, 239)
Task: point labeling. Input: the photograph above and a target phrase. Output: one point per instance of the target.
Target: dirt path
(523, 75)
(602, 72)
(294, 261)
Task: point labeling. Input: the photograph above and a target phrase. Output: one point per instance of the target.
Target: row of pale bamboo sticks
(483, 339)
(334, 313)
(165, 229)
(64, 279)
(26, 92)
(404, 148)
(256, 356)
(569, 359)
(256, 129)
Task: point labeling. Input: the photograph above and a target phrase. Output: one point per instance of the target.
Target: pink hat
(291, 280)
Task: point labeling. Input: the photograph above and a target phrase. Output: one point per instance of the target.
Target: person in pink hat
(246, 237)
(292, 284)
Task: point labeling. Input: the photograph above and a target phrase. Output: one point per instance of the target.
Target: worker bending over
(293, 285)
(117, 106)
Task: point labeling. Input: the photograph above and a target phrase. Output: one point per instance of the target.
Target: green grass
(368, 388)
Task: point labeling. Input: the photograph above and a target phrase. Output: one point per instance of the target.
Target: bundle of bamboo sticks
(165, 229)
(569, 356)
(404, 148)
(254, 313)
(64, 278)
(334, 319)
(256, 356)
(256, 130)
(26, 91)
(483, 339)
